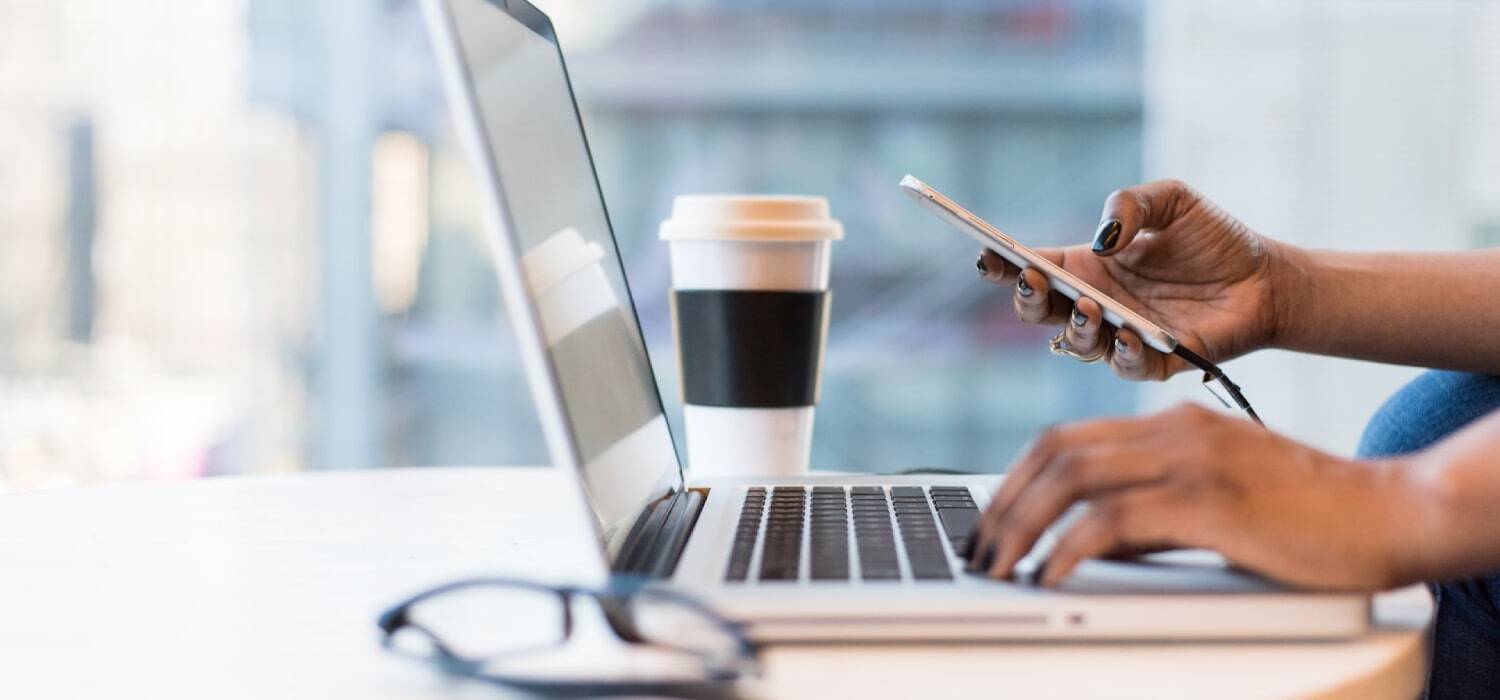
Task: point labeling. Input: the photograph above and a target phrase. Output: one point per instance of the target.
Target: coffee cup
(750, 311)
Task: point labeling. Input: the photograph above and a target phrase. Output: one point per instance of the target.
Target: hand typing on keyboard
(1192, 478)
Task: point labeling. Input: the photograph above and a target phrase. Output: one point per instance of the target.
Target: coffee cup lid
(743, 217)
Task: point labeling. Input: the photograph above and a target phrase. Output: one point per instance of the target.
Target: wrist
(1291, 280)
(1417, 511)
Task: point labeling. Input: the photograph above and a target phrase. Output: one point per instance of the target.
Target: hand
(1193, 478)
(1171, 255)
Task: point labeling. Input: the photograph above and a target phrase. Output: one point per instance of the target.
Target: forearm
(1439, 310)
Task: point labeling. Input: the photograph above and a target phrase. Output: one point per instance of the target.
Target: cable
(1211, 372)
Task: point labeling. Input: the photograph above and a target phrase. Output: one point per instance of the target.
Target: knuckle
(1124, 368)
(1110, 519)
(1010, 526)
(1175, 185)
(1048, 440)
(1179, 193)
(1188, 411)
(1068, 468)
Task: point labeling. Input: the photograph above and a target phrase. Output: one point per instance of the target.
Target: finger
(1040, 451)
(994, 268)
(1036, 455)
(1150, 517)
(1127, 212)
(1083, 330)
(1133, 359)
(1036, 302)
(1073, 476)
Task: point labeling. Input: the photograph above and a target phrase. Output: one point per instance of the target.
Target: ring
(1059, 346)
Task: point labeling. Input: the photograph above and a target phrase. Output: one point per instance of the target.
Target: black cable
(1211, 372)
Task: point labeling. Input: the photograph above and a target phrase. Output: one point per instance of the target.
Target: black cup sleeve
(750, 349)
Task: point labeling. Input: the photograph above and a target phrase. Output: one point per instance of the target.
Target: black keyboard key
(924, 547)
(873, 537)
(947, 505)
(781, 554)
(934, 573)
(958, 523)
(745, 534)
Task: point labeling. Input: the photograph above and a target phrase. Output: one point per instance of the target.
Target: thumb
(1145, 207)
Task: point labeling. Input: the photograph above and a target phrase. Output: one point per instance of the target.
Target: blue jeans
(1466, 629)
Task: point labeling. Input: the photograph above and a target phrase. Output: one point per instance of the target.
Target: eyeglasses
(520, 635)
(1218, 384)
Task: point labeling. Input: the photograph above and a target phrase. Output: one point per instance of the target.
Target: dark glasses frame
(614, 599)
(1228, 393)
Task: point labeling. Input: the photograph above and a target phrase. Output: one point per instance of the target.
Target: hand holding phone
(1069, 285)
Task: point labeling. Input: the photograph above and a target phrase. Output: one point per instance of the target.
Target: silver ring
(1059, 346)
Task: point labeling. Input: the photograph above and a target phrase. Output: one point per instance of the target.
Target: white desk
(268, 587)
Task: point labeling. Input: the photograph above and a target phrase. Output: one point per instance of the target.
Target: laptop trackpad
(1183, 571)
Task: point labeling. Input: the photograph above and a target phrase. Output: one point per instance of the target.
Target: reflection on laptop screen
(569, 259)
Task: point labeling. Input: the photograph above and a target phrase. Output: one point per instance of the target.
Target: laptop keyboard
(821, 519)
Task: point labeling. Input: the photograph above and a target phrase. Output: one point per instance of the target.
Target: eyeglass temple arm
(1212, 370)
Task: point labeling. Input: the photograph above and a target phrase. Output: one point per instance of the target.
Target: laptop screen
(570, 264)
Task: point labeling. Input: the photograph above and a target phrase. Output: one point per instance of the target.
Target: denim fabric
(1466, 628)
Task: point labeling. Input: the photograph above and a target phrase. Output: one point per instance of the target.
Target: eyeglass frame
(1232, 397)
(717, 683)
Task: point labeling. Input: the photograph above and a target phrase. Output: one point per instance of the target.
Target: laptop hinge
(659, 535)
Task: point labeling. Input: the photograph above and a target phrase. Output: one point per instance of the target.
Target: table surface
(268, 586)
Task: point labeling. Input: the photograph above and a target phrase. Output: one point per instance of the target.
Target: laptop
(809, 558)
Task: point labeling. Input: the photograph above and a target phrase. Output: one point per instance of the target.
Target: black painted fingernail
(979, 264)
(978, 560)
(969, 545)
(1022, 287)
(1121, 347)
(984, 561)
(1079, 319)
(1107, 235)
(988, 560)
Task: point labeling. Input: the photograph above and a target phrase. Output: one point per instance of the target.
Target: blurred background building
(238, 236)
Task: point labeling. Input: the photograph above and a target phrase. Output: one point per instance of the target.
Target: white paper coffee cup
(750, 306)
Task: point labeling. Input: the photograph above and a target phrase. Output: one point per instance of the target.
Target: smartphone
(1064, 282)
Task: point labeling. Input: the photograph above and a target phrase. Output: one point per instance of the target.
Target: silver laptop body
(817, 557)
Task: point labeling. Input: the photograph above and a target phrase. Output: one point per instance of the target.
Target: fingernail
(968, 552)
(1079, 319)
(980, 561)
(1022, 287)
(1107, 235)
(1121, 347)
(1039, 577)
(988, 560)
(979, 264)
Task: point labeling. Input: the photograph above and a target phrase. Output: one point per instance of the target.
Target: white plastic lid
(747, 217)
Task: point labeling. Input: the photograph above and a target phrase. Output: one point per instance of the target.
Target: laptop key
(958, 525)
(745, 535)
(923, 544)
